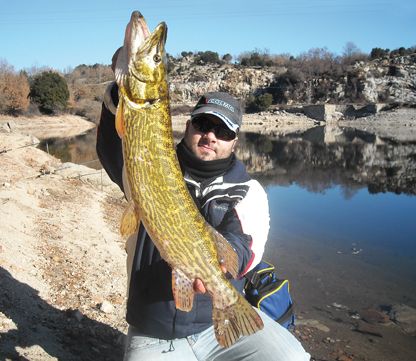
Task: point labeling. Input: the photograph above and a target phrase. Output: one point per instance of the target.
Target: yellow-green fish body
(160, 198)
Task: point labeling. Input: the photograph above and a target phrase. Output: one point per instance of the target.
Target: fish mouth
(138, 37)
(136, 33)
(142, 56)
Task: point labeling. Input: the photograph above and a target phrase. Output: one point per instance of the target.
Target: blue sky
(64, 34)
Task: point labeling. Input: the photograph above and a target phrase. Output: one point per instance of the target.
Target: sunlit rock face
(385, 80)
(391, 80)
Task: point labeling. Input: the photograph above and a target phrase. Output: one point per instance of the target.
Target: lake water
(343, 211)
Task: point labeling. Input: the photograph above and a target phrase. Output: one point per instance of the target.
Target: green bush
(259, 103)
(227, 58)
(205, 57)
(49, 91)
(287, 85)
(379, 53)
(256, 59)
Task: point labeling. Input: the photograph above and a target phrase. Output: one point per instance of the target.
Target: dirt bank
(61, 258)
(44, 127)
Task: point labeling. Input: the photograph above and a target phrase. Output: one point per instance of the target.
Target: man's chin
(205, 154)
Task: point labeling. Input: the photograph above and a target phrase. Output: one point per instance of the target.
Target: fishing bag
(270, 294)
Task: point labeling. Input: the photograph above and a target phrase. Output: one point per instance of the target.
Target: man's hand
(199, 285)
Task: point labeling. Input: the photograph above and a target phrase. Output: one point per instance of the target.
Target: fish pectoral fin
(120, 127)
(234, 321)
(183, 290)
(227, 255)
(130, 220)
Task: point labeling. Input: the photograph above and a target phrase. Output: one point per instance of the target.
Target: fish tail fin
(238, 319)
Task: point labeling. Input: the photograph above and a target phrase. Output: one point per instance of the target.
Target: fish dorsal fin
(226, 255)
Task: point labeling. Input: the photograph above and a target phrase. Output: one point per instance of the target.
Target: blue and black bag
(270, 294)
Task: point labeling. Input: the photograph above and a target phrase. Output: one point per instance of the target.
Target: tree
(379, 53)
(350, 49)
(49, 91)
(227, 58)
(256, 58)
(185, 54)
(317, 61)
(14, 90)
(205, 57)
(259, 103)
(352, 53)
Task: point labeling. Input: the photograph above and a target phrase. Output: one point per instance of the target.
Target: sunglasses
(205, 125)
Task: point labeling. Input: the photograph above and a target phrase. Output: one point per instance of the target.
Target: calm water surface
(344, 198)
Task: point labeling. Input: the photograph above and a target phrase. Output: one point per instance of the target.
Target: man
(231, 202)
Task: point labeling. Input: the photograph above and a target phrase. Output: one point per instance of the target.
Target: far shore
(398, 124)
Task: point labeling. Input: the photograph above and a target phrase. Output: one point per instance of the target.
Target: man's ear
(188, 122)
(234, 144)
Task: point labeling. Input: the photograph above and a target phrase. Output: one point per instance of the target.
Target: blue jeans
(273, 343)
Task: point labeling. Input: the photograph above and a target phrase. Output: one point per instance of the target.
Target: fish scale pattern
(164, 206)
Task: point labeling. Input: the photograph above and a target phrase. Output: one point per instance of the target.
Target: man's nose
(210, 134)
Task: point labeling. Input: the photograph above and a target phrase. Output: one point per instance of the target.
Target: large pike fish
(159, 196)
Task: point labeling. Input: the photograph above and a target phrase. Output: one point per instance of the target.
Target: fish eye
(157, 58)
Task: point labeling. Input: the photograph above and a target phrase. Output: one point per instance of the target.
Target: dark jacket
(150, 307)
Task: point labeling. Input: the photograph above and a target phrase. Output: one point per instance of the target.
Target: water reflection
(79, 149)
(323, 157)
(316, 160)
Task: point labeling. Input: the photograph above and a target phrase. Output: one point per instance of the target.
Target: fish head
(141, 65)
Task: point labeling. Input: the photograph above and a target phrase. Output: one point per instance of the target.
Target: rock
(329, 340)
(106, 307)
(405, 317)
(364, 327)
(344, 358)
(313, 323)
(374, 316)
(339, 306)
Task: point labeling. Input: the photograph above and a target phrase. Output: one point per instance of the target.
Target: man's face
(205, 144)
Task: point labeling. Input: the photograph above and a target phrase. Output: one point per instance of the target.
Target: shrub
(256, 58)
(205, 57)
(227, 58)
(49, 91)
(259, 103)
(14, 91)
(184, 54)
(317, 61)
(287, 84)
(379, 53)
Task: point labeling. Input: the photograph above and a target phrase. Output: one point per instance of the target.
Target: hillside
(388, 80)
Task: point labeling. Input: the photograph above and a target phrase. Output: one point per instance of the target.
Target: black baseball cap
(221, 105)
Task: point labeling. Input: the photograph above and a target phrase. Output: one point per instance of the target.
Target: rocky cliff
(189, 81)
(387, 80)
